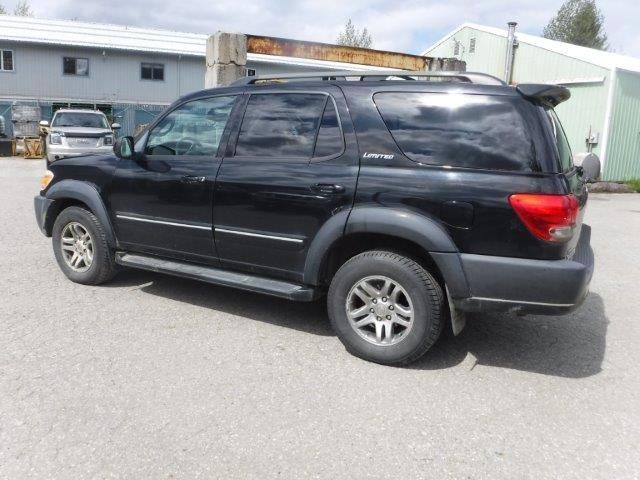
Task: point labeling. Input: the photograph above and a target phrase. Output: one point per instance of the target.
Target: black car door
(288, 172)
(162, 200)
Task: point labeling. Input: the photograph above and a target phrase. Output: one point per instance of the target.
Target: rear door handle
(327, 188)
(192, 179)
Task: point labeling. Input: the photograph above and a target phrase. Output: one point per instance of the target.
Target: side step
(253, 283)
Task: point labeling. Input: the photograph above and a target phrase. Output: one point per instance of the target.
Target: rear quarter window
(459, 130)
(565, 156)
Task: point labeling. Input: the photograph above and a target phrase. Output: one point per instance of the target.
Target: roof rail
(465, 77)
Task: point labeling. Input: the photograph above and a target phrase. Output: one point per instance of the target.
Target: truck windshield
(77, 119)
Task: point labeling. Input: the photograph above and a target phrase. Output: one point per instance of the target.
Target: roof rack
(354, 75)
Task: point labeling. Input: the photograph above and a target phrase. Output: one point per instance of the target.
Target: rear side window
(459, 130)
(564, 150)
(280, 125)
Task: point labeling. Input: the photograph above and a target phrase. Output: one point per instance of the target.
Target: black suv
(407, 200)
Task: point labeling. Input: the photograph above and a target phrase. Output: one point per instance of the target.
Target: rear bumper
(529, 286)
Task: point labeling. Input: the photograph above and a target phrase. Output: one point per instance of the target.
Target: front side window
(280, 125)
(562, 143)
(6, 60)
(75, 66)
(459, 130)
(80, 119)
(152, 71)
(194, 128)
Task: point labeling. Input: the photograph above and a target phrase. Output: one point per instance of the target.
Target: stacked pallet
(26, 130)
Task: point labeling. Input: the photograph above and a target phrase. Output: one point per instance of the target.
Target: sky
(397, 25)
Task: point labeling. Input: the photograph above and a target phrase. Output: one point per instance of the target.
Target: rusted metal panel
(334, 53)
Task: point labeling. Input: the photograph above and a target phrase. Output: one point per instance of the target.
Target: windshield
(80, 119)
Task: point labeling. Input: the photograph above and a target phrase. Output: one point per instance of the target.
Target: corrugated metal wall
(623, 156)
(113, 77)
(488, 56)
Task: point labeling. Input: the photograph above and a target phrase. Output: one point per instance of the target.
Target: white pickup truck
(76, 132)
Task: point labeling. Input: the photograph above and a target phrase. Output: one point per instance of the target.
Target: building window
(472, 45)
(6, 60)
(456, 48)
(251, 72)
(75, 66)
(152, 71)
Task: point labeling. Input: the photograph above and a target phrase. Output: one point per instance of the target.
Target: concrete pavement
(157, 377)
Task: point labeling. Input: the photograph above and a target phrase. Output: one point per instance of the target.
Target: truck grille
(82, 142)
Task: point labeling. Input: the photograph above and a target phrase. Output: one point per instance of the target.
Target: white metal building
(130, 73)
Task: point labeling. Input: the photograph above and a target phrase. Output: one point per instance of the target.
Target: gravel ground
(157, 377)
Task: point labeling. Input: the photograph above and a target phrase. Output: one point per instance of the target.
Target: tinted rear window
(459, 130)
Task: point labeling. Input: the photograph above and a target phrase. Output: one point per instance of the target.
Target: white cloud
(401, 25)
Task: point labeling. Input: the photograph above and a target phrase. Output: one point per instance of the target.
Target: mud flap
(458, 318)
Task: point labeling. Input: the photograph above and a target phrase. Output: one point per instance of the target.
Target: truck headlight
(108, 140)
(55, 139)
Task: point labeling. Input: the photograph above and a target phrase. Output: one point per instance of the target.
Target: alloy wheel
(77, 247)
(380, 310)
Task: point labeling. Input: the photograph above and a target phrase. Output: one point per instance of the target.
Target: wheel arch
(400, 230)
(67, 193)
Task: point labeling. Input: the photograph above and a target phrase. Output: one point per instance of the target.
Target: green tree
(23, 9)
(2, 10)
(352, 37)
(579, 22)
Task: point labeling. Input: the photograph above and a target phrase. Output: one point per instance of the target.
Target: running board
(217, 276)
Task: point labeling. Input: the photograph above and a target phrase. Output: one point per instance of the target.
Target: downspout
(606, 131)
(508, 62)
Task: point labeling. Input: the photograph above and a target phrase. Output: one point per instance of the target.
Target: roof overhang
(599, 58)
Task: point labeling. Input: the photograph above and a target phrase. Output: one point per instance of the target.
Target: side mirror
(115, 126)
(123, 148)
(44, 123)
(589, 163)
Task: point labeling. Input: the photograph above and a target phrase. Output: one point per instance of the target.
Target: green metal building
(603, 114)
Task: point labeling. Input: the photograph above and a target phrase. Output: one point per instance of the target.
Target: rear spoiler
(548, 94)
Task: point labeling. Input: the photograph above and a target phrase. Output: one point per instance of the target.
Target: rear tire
(80, 247)
(386, 308)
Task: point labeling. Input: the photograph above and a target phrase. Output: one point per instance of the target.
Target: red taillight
(548, 217)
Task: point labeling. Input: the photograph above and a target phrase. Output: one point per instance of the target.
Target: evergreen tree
(579, 22)
(23, 9)
(354, 38)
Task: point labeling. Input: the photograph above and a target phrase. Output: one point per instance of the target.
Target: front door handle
(327, 188)
(192, 179)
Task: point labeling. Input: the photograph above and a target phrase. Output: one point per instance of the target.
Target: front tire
(385, 308)
(81, 248)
